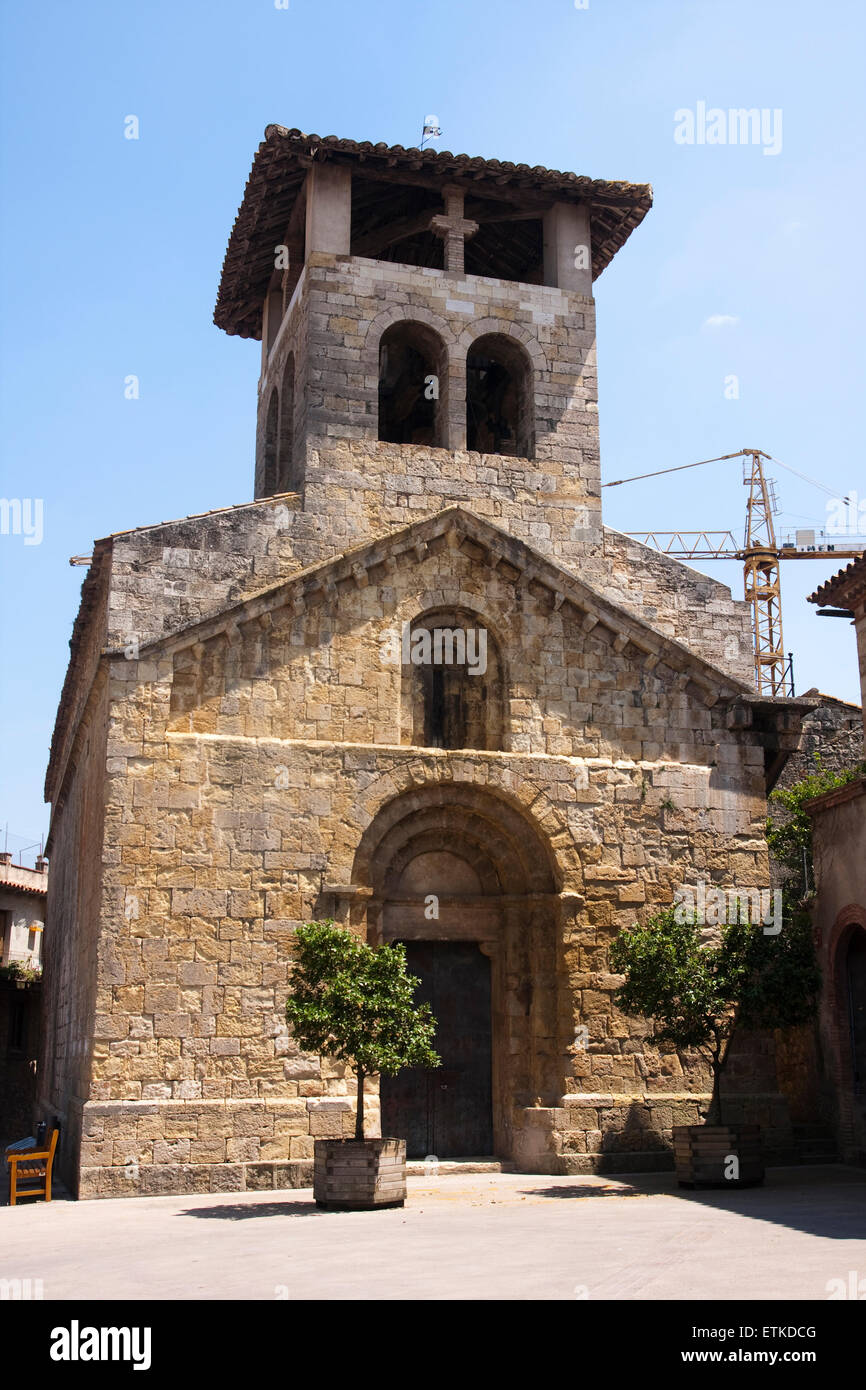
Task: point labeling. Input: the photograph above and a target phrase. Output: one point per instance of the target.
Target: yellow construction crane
(760, 554)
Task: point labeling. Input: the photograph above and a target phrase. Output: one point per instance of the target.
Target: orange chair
(32, 1166)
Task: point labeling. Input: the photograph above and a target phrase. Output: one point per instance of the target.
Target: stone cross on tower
(454, 227)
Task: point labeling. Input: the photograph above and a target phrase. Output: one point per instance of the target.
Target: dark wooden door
(447, 1111)
(857, 1006)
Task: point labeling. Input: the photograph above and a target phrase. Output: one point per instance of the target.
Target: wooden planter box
(357, 1174)
(701, 1153)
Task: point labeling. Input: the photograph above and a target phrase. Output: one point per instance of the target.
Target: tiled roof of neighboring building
(845, 587)
(278, 173)
(830, 699)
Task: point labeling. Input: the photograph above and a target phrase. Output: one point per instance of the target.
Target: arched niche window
(275, 310)
(271, 429)
(412, 385)
(499, 397)
(855, 972)
(286, 472)
(453, 687)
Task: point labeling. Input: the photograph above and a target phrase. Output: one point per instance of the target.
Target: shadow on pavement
(828, 1201)
(239, 1211)
(592, 1193)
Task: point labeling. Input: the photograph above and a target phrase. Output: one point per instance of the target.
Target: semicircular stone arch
(483, 328)
(841, 1014)
(499, 860)
(499, 820)
(416, 605)
(408, 348)
(399, 313)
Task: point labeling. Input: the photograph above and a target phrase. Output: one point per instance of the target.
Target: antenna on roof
(431, 130)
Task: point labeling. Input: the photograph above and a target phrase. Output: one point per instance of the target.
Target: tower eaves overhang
(277, 179)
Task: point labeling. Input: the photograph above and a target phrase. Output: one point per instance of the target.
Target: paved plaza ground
(460, 1236)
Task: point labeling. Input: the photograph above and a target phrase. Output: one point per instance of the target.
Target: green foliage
(16, 970)
(790, 841)
(781, 984)
(699, 995)
(672, 978)
(355, 1002)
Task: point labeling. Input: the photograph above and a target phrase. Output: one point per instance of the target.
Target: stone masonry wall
(677, 600)
(327, 677)
(832, 741)
(364, 487)
(72, 969)
(239, 788)
(175, 574)
(838, 913)
(292, 340)
(170, 576)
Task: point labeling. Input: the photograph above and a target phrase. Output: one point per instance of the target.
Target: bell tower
(428, 334)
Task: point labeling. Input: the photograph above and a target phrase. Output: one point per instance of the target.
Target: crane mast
(760, 554)
(761, 578)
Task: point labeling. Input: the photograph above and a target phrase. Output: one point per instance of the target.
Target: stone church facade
(261, 724)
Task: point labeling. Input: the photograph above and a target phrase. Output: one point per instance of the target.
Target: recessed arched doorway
(855, 990)
(843, 1026)
(468, 882)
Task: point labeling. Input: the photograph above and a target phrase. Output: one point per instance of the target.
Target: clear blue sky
(112, 252)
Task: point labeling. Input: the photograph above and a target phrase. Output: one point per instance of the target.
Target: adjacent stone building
(839, 909)
(416, 685)
(831, 739)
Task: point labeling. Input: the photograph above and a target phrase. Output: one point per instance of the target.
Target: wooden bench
(32, 1166)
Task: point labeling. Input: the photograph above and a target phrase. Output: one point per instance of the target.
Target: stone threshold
(444, 1167)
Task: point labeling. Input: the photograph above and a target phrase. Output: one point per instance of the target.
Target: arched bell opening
(413, 380)
(287, 470)
(499, 397)
(271, 444)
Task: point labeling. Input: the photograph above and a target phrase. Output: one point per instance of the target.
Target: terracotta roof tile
(843, 586)
(280, 166)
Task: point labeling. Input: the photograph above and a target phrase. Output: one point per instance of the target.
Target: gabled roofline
(515, 559)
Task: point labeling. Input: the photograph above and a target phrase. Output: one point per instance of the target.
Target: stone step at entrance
(417, 1168)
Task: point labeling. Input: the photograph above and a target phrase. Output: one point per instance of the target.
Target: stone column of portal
(568, 248)
(454, 228)
(329, 209)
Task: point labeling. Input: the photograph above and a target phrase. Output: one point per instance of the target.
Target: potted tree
(700, 995)
(354, 1002)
